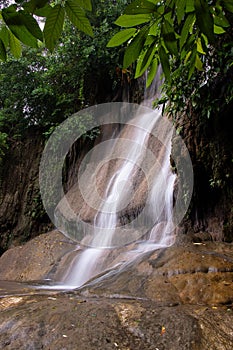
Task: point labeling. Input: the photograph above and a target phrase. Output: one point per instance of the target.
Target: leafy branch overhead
(20, 23)
(165, 32)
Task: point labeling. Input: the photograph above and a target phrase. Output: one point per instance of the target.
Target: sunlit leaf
(155, 29)
(78, 17)
(198, 63)
(53, 26)
(187, 57)
(15, 46)
(151, 39)
(145, 60)
(133, 50)
(152, 72)
(4, 36)
(121, 37)
(219, 30)
(199, 47)
(132, 20)
(189, 6)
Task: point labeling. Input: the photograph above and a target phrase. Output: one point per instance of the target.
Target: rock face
(174, 298)
(21, 210)
(34, 260)
(209, 142)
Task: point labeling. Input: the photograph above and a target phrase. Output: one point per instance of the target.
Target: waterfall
(93, 258)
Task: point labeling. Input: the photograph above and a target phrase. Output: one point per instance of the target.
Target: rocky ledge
(175, 298)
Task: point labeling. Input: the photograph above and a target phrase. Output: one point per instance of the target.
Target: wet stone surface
(175, 298)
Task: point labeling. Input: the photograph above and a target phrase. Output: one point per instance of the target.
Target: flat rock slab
(175, 298)
(70, 322)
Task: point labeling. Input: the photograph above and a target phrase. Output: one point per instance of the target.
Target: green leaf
(121, 37)
(161, 9)
(15, 23)
(140, 7)
(190, 6)
(53, 26)
(221, 21)
(31, 25)
(192, 62)
(151, 39)
(155, 29)
(78, 17)
(185, 30)
(10, 16)
(21, 32)
(169, 38)
(218, 30)
(198, 63)
(180, 10)
(15, 46)
(40, 3)
(85, 4)
(4, 36)
(204, 19)
(228, 5)
(164, 59)
(132, 52)
(200, 47)
(132, 20)
(145, 60)
(44, 11)
(32, 5)
(152, 72)
(187, 57)
(7, 11)
(2, 51)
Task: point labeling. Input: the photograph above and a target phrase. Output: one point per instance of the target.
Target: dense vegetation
(43, 89)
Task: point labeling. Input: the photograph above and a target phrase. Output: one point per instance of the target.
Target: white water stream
(159, 207)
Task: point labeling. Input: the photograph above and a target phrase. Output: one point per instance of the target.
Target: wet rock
(191, 274)
(175, 298)
(70, 322)
(35, 259)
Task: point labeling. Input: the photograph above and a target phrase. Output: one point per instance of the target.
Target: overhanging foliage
(166, 31)
(21, 22)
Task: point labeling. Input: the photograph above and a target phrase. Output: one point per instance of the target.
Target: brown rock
(35, 259)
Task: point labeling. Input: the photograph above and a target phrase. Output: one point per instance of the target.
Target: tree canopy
(43, 89)
(183, 31)
(21, 22)
(191, 39)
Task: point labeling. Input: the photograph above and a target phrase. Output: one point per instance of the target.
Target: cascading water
(93, 260)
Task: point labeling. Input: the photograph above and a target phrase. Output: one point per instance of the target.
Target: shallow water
(13, 288)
